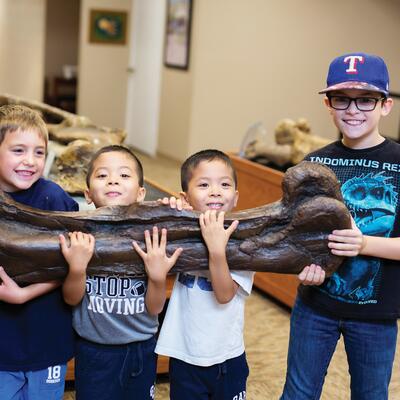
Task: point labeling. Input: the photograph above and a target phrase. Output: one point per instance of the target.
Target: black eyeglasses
(362, 103)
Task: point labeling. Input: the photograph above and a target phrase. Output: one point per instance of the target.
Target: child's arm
(10, 292)
(345, 242)
(157, 266)
(77, 255)
(216, 238)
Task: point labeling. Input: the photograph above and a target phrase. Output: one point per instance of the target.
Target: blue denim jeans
(370, 347)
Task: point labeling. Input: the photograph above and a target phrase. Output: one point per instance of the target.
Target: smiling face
(211, 187)
(22, 159)
(360, 129)
(114, 181)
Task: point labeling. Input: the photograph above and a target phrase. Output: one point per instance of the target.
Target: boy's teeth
(353, 122)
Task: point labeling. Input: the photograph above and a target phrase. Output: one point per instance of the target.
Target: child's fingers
(147, 240)
(232, 227)
(63, 242)
(163, 240)
(4, 276)
(91, 239)
(179, 204)
(206, 217)
(163, 201)
(346, 234)
(155, 237)
(303, 274)
(201, 221)
(213, 216)
(319, 276)
(175, 256)
(139, 250)
(346, 253)
(312, 275)
(343, 246)
(220, 217)
(172, 202)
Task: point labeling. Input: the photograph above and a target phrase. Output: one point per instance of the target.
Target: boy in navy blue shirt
(361, 301)
(36, 336)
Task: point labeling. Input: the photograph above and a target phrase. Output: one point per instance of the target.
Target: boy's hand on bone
(173, 202)
(156, 261)
(346, 242)
(214, 233)
(79, 251)
(312, 275)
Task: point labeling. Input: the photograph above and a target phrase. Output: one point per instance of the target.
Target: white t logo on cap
(352, 60)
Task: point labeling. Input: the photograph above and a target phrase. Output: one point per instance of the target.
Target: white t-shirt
(199, 330)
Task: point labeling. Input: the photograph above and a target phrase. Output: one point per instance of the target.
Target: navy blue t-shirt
(37, 334)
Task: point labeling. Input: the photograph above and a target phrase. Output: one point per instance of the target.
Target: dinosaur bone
(280, 237)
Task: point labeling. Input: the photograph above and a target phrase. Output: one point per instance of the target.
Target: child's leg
(370, 348)
(11, 384)
(45, 384)
(313, 339)
(231, 380)
(188, 381)
(140, 371)
(109, 372)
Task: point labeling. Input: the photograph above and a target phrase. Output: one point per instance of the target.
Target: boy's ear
(326, 102)
(236, 198)
(141, 194)
(87, 196)
(387, 106)
(184, 198)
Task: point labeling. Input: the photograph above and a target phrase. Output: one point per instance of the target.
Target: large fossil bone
(280, 237)
(294, 141)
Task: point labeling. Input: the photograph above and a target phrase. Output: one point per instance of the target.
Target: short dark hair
(204, 155)
(119, 149)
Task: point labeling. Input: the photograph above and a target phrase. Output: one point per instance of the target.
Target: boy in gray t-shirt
(116, 317)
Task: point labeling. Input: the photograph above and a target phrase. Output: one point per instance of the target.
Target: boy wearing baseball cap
(361, 301)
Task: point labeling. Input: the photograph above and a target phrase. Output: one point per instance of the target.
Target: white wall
(102, 71)
(22, 33)
(263, 60)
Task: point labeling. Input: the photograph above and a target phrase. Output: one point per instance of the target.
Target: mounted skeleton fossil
(280, 237)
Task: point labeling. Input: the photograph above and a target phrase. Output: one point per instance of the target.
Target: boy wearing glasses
(361, 301)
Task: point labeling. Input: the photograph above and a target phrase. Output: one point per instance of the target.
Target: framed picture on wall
(177, 35)
(108, 27)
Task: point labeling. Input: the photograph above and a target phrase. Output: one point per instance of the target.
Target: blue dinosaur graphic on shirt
(371, 200)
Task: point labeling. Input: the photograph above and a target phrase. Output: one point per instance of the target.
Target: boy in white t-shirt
(202, 332)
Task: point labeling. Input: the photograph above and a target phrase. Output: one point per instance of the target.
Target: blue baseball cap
(358, 71)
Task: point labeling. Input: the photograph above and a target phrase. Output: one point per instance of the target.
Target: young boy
(361, 301)
(116, 319)
(36, 336)
(203, 328)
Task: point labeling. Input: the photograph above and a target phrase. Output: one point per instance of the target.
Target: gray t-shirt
(113, 311)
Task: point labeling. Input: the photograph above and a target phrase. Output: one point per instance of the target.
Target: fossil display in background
(73, 139)
(293, 141)
(281, 237)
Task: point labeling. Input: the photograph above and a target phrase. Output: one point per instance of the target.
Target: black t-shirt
(37, 334)
(363, 287)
